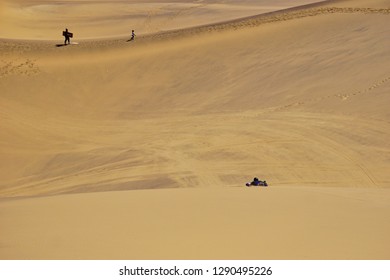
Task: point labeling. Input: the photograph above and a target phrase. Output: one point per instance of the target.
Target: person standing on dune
(67, 36)
(132, 35)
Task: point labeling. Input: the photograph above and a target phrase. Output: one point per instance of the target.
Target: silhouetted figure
(132, 35)
(67, 36)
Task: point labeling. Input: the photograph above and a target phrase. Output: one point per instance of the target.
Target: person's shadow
(131, 39)
(60, 45)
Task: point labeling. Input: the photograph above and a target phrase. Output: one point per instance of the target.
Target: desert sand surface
(118, 149)
(45, 19)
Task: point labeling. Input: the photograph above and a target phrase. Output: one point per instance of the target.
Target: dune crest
(43, 20)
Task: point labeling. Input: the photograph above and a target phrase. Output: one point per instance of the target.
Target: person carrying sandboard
(67, 36)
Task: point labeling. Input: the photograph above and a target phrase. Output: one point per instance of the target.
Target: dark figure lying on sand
(256, 182)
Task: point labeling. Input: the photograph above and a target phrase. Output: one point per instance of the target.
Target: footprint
(27, 67)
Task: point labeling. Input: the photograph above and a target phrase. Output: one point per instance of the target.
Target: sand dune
(144, 147)
(237, 223)
(45, 19)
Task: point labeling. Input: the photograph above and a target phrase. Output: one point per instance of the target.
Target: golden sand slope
(240, 223)
(300, 103)
(45, 19)
(298, 98)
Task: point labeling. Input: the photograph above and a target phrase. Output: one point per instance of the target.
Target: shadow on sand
(61, 45)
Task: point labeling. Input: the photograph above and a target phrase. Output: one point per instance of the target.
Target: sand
(45, 19)
(117, 149)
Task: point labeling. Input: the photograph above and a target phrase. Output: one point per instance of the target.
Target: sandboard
(69, 34)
